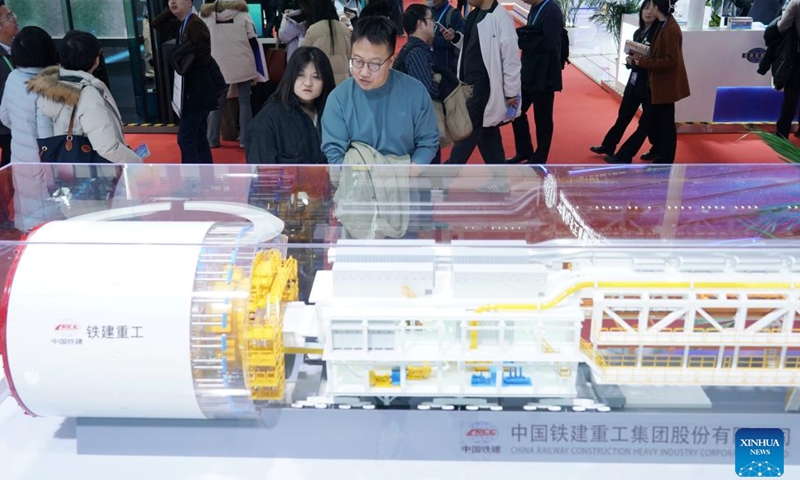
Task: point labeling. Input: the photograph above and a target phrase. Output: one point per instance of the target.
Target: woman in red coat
(668, 80)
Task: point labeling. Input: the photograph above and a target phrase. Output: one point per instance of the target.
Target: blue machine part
(395, 376)
(481, 380)
(224, 339)
(225, 320)
(514, 378)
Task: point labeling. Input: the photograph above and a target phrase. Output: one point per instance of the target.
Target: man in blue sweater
(379, 106)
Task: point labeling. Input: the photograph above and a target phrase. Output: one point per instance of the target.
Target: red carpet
(583, 114)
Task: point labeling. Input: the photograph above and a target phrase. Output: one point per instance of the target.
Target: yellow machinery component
(382, 381)
(484, 368)
(473, 335)
(418, 373)
(654, 285)
(407, 292)
(393, 380)
(265, 269)
(234, 311)
(593, 355)
(273, 281)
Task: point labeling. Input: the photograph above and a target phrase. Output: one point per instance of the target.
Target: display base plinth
(697, 437)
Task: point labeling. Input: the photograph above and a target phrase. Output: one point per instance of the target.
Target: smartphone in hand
(143, 151)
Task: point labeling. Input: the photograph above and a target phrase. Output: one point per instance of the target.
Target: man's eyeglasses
(10, 16)
(372, 66)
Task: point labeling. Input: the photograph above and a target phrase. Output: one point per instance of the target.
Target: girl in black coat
(287, 129)
(636, 91)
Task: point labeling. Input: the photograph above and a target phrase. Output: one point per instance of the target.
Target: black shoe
(536, 160)
(647, 156)
(519, 159)
(615, 159)
(602, 150)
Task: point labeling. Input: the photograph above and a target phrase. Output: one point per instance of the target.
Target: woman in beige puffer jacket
(330, 35)
(233, 40)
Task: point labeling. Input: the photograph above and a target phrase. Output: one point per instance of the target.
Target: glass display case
(581, 313)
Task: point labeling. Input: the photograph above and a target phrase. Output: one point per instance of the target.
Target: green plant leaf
(608, 15)
(786, 150)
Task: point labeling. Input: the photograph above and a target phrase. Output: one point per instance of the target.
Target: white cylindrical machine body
(102, 329)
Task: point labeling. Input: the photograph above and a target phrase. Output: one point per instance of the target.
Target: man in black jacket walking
(9, 27)
(791, 90)
(540, 42)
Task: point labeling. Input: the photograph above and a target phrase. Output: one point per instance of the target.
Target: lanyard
(538, 12)
(441, 15)
(183, 26)
(8, 62)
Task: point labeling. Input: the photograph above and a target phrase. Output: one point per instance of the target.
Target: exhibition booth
(721, 63)
(722, 66)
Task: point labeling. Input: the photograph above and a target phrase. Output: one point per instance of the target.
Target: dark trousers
(489, 143)
(791, 95)
(6, 185)
(631, 147)
(270, 11)
(627, 110)
(5, 146)
(487, 139)
(193, 134)
(543, 118)
(666, 132)
(397, 15)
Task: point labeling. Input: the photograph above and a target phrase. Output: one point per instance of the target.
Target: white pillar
(697, 10)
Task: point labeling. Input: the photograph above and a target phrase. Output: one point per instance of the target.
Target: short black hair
(377, 31)
(414, 14)
(300, 59)
(33, 48)
(78, 50)
(377, 8)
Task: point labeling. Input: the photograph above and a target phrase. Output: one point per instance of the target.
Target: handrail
(548, 304)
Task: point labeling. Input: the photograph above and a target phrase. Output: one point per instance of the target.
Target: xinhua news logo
(759, 452)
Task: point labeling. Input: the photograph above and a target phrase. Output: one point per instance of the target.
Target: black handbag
(68, 148)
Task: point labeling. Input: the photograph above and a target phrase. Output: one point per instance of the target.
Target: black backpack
(400, 60)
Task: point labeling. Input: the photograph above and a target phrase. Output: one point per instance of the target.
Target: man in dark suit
(199, 87)
(540, 42)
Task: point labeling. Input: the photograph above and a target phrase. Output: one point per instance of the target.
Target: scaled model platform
(114, 317)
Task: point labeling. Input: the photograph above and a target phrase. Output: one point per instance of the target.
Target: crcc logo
(481, 433)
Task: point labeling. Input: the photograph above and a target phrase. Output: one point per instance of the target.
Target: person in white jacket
(489, 61)
(72, 86)
(293, 27)
(32, 50)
